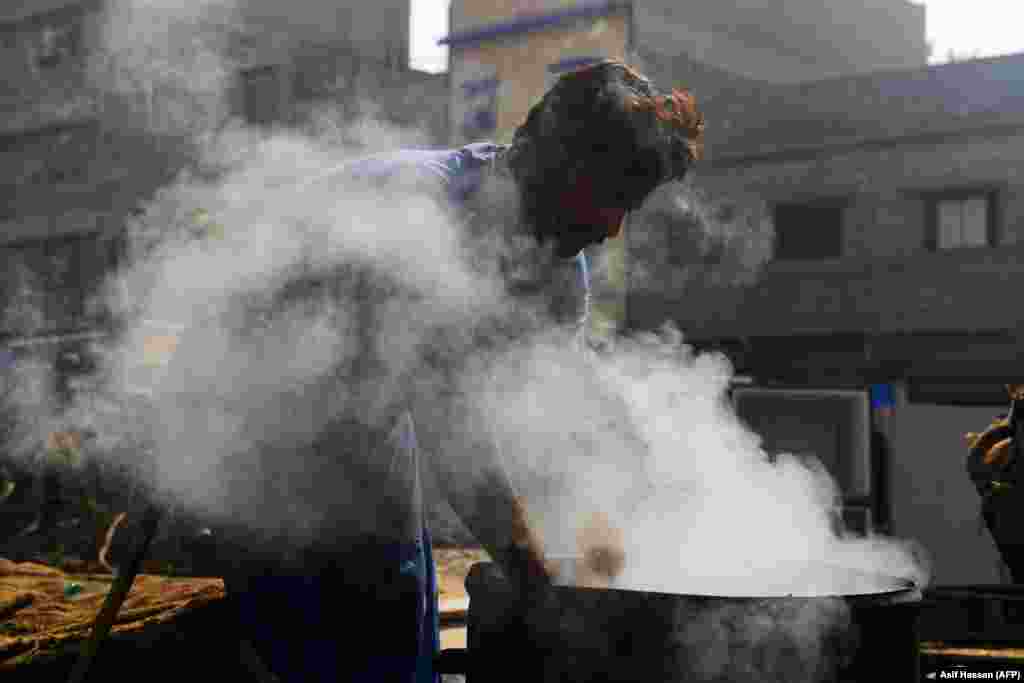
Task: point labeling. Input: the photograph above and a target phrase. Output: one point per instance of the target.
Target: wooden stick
(119, 590)
(108, 540)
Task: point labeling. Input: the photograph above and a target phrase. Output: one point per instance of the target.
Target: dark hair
(609, 123)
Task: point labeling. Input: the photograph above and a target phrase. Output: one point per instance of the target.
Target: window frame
(55, 41)
(283, 80)
(990, 194)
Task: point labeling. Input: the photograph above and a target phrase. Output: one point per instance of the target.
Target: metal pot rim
(895, 589)
(908, 593)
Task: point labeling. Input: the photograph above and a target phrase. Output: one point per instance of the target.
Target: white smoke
(646, 435)
(169, 63)
(248, 358)
(255, 368)
(685, 237)
(643, 433)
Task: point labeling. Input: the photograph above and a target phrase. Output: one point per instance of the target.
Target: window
(54, 44)
(315, 77)
(964, 220)
(479, 98)
(808, 232)
(261, 95)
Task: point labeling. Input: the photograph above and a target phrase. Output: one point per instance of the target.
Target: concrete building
(504, 53)
(787, 41)
(77, 157)
(65, 175)
(898, 210)
(503, 60)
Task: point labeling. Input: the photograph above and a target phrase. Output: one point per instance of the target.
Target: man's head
(600, 141)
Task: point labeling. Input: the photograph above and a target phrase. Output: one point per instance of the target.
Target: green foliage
(7, 487)
(13, 628)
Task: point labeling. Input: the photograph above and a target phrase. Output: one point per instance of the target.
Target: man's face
(584, 220)
(583, 231)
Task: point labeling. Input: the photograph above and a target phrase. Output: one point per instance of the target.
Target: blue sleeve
(458, 171)
(583, 282)
(583, 272)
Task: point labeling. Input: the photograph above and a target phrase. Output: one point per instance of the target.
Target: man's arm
(474, 479)
(498, 519)
(469, 471)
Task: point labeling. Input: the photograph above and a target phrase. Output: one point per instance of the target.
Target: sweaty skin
(601, 545)
(588, 222)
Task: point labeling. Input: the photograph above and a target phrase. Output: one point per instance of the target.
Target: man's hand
(603, 550)
(990, 465)
(991, 448)
(526, 554)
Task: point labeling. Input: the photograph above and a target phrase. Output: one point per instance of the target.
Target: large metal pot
(572, 633)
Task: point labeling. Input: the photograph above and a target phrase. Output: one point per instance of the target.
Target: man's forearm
(488, 506)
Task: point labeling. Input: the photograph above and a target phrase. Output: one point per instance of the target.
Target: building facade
(88, 136)
(78, 156)
(898, 210)
(788, 41)
(504, 54)
(499, 68)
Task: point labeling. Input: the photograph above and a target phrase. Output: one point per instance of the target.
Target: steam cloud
(684, 236)
(642, 432)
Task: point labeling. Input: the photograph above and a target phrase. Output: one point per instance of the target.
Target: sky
(979, 28)
(429, 23)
